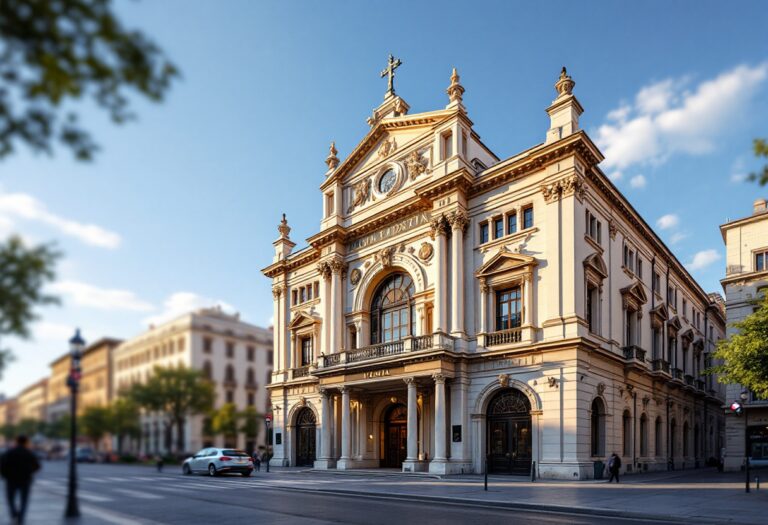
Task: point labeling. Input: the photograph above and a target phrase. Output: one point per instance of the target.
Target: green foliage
(124, 420)
(59, 428)
(24, 272)
(8, 431)
(250, 417)
(56, 52)
(29, 427)
(177, 393)
(95, 423)
(745, 353)
(225, 420)
(761, 150)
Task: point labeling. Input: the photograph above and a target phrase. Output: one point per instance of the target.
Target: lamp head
(76, 345)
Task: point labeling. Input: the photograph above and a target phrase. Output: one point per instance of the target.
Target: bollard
(533, 471)
(757, 482)
(486, 474)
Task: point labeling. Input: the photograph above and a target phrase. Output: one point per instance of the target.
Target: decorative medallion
(504, 380)
(354, 276)
(426, 251)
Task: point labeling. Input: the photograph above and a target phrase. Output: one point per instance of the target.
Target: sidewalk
(702, 495)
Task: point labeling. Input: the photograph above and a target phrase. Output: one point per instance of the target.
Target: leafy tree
(54, 53)
(176, 393)
(95, 423)
(226, 421)
(60, 427)
(124, 421)
(250, 427)
(761, 150)
(24, 272)
(8, 431)
(30, 427)
(745, 354)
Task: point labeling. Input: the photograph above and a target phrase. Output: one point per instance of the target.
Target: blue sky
(180, 207)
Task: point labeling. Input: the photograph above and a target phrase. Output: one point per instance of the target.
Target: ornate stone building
(455, 304)
(745, 282)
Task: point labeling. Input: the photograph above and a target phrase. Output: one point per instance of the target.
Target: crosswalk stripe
(138, 494)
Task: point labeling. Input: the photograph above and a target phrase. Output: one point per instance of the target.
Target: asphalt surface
(124, 494)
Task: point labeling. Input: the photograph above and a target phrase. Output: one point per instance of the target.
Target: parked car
(215, 461)
(85, 455)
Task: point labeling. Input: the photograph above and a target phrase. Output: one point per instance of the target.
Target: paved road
(124, 494)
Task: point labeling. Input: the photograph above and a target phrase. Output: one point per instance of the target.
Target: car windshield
(231, 452)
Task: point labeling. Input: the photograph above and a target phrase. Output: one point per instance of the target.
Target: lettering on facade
(376, 373)
(389, 231)
(296, 390)
(509, 362)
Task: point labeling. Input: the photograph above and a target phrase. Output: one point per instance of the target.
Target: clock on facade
(387, 181)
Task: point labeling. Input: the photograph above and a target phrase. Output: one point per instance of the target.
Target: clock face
(387, 181)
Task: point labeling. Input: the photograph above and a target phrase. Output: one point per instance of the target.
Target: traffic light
(736, 408)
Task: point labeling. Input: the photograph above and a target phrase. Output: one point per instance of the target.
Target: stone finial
(564, 85)
(455, 91)
(284, 229)
(332, 160)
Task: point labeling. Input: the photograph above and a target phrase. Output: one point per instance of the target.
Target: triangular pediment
(675, 323)
(595, 263)
(505, 261)
(303, 319)
(636, 291)
(688, 334)
(661, 312)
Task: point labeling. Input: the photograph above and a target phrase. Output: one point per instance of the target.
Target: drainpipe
(634, 426)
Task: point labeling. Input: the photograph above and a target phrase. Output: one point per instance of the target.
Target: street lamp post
(744, 396)
(76, 345)
(268, 423)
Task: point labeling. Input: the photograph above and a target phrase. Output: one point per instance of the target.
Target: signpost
(268, 423)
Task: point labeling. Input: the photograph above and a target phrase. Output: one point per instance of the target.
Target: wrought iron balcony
(660, 365)
(503, 337)
(677, 374)
(302, 371)
(634, 352)
(436, 341)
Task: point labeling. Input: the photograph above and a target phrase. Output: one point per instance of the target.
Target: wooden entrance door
(305, 438)
(395, 436)
(510, 444)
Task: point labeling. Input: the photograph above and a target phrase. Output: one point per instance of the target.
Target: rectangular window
(528, 217)
(685, 308)
(230, 349)
(317, 288)
(498, 228)
(483, 233)
(251, 354)
(207, 346)
(593, 228)
(511, 223)
(302, 294)
(656, 282)
(639, 267)
(294, 297)
(329, 204)
(251, 399)
(508, 309)
(464, 143)
(593, 305)
(230, 396)
(655, 342)
(306, 351)
(761, 259)
(309, 292)
(447, 145)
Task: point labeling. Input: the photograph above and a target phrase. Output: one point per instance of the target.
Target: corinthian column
(438, 463)
(459, 222)
(440, 232)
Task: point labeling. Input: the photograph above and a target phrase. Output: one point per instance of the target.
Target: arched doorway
(305, 437)
(395, 436)
(510, 443)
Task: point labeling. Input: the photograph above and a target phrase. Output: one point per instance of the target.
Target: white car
(215, 461)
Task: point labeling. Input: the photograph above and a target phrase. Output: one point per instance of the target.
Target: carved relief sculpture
(504, 380)
(332, 160)
(387, 147)
(361, 191)
(459, 221)
(416, 164)
(439, 226)
(551, 192)
(384, 256)
(426, 251)
(354, 276)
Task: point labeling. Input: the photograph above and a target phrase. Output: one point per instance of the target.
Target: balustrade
(503, 337)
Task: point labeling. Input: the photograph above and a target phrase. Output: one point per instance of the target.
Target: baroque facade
(455, 305)
(746, 280)
(235, 355)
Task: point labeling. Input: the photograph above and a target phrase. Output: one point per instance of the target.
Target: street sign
(268, 420)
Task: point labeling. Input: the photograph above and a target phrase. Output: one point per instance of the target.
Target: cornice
(286, 265)
(460, 179)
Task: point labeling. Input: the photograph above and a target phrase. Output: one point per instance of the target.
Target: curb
(368, 473)
(518, 505)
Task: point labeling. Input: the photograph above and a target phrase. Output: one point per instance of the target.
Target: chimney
(759, 206)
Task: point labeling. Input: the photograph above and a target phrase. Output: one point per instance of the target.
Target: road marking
(138, 494)
(112, 517)
(119, 480)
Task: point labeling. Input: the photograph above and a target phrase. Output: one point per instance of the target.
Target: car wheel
(211, 470)
(246, 474)
(186, 470)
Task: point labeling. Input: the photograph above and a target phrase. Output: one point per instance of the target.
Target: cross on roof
(389, 71)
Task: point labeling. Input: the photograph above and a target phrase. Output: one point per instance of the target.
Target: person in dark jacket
(17, 467)
(614, 465)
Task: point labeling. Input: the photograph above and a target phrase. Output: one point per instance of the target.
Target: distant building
(8, 417)
(746, 280)
(456, 306)
(33, 402)
(234, 354)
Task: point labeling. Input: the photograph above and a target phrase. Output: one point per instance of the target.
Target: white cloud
(667, 119)
(703, 259)
(25, 206)
(616, 175)
(48, 331)
(668, 221)
(677, 237)
(638, 182)
(84, 294)
(181, 303)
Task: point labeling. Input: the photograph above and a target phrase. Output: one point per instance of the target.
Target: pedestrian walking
(256, 461)
(614, 465)
(17, 467)
(159, 464)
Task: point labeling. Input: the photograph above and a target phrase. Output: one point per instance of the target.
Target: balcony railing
(661, 365)
(374, 351)
(422, 342)
(677, 374)
(701, 385)
(689, 379)
(331, 360)
(302, 371)
(634, 352)
(503, 337)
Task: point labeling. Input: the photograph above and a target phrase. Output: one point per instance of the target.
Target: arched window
(229, 375)
(207, 371)
(643, 435)
(392, 311)
(686, 439)
(250, 378)
(626, 425)
(658, 447)
(598, 427)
